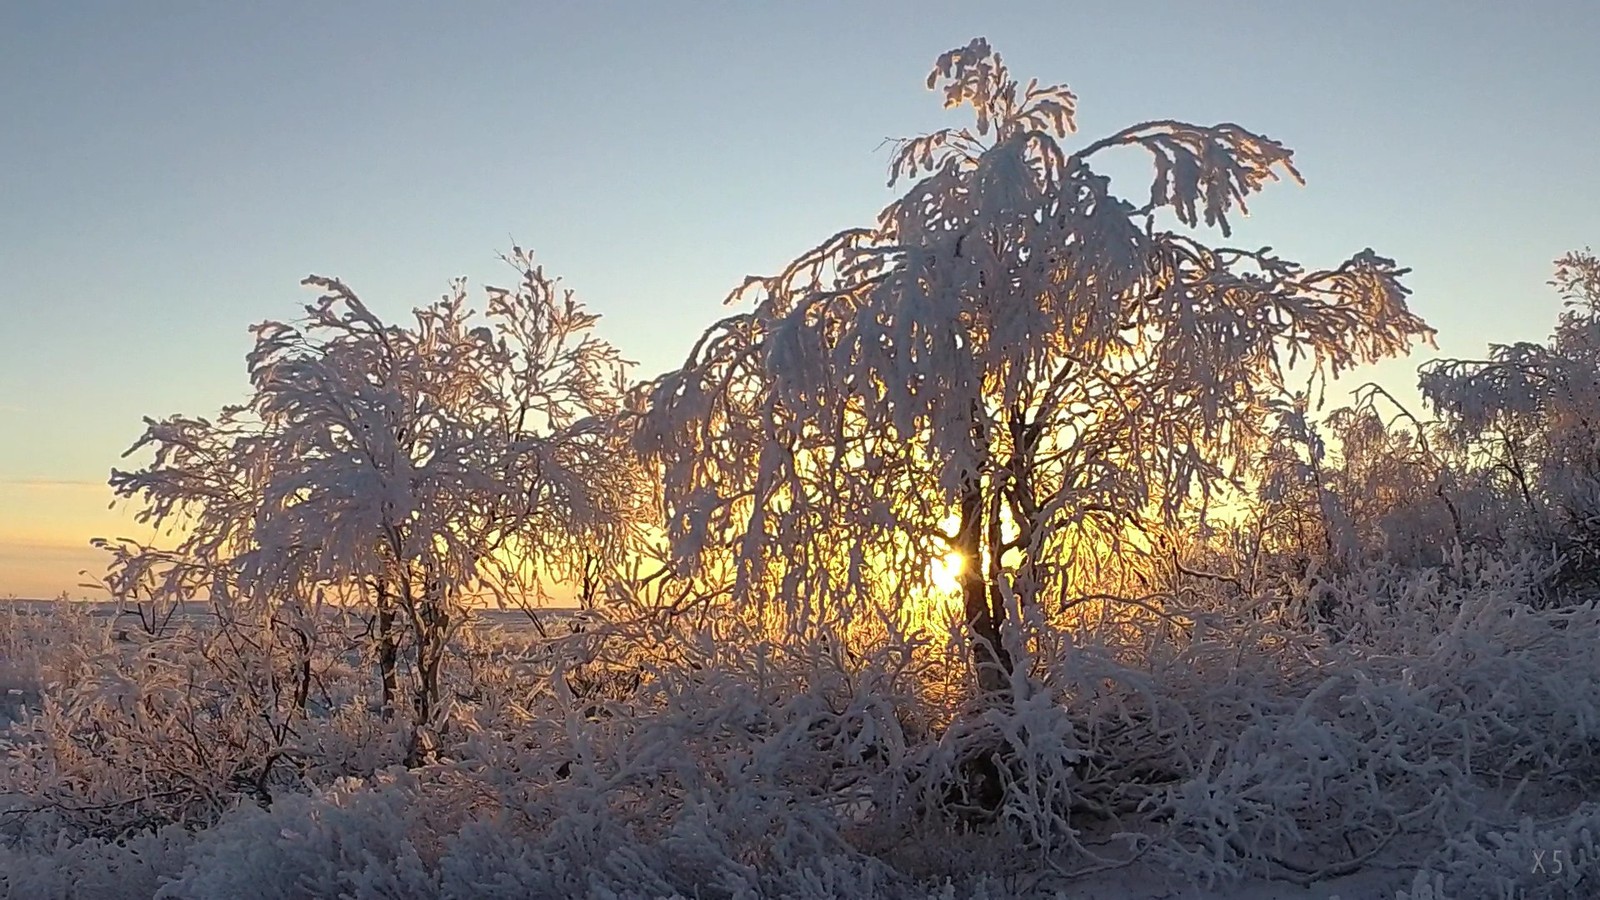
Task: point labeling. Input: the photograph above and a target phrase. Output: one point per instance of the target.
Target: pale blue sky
(169, 171)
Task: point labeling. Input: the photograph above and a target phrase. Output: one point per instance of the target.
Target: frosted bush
(178, 728)
(131, 867)
(1527, 413)
(347, 841)
(1557, 859)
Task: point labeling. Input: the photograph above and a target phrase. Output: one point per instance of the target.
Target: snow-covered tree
(1531, 414)
(414, 469)
(1014, 365)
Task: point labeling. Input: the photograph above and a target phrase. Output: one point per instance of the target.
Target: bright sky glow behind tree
(168, 175)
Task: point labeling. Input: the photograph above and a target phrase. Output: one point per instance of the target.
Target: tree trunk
(302, 686)
(982, 785)
(433, 630)
(990, 661)
(388, 651)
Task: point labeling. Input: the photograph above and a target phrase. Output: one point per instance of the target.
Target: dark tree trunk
(433, 630)
(388, 651)
(982, 785)
(983, 617)
(302, 686)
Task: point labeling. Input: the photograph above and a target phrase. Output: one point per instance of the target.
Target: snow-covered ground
(736, 770)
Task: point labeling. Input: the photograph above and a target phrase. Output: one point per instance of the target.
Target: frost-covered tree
(1013, 365)
(413, 468)
(1530, 413)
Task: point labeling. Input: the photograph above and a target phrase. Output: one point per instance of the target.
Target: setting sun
(945, 572)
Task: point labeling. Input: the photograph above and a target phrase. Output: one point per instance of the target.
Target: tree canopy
(1013, 363)
(418, 468)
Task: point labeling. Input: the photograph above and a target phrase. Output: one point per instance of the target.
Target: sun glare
(946, 572)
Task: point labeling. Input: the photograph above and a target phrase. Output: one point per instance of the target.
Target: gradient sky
(169, 171)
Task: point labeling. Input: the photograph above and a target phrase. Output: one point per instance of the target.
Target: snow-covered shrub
(724, 780)
(176, 728)
(39, 645)
(131, 867)
(1554, 859)
(1245, 745)
(1531, 415)
(1403, 489)
(352, 840)
(1440, 687)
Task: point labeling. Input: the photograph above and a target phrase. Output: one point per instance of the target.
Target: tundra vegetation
(986, 549)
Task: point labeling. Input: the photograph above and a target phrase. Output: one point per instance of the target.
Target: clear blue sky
(169, 171)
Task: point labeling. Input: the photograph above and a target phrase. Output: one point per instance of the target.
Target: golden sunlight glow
(940, 607)
(946, 571)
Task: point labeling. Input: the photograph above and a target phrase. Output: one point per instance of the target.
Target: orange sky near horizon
(45, 533)
(45, 529)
